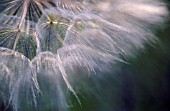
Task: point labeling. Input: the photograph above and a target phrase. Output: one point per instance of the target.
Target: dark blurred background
(141, 85)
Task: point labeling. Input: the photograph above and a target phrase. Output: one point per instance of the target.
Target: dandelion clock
(56, 54)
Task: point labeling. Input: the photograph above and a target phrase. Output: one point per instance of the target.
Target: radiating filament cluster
(44, 42)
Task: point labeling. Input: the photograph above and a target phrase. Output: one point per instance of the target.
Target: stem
(25, 8)
(15, 43)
